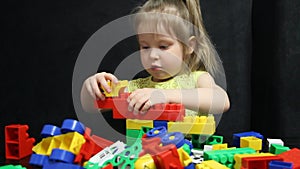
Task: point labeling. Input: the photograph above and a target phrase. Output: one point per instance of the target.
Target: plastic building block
(119, 106)
(132, 136)
(38, 160)
(70, 125)
(220, 146)
(109, 166)
(62, 156)
(199, 140)
(226, 157)
(106, 154)
(128, 157)
(175, 138)
(71, 141)
(274, 141)
(115, 88)
(93, 144)
(252, 142)
(190, 166)
(184, 157)
(159, 123)
(157, 132)
(61, 165)
(292, 156)
(146, 161)
(214, 139)
(12, 167)
(278, 149)
(237, 136)
(207, 148)
(50, 130)
(280, 165)
(238, 158)
(165, 157)
(210, 164)
(194, 125)
(17, 142)
(258, 162)
(138, 124)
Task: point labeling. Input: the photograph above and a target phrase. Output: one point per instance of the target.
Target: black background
(258, 41)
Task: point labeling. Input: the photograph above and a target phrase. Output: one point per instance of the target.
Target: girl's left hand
(141, 100)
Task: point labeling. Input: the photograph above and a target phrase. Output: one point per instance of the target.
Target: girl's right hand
(93, 84)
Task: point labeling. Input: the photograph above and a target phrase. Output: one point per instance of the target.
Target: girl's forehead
(157, 31)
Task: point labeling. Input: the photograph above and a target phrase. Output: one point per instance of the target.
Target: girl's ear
(192, 44)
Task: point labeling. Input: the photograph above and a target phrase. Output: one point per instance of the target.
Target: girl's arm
(207, 97)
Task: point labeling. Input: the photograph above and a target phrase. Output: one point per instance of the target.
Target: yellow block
(184, 157)
(115, 88)
(238, 158)
(219, 146)
(194, 125)
(138, 124)
(146, 161)
(252, 142)
(210, 164)
(71, 141)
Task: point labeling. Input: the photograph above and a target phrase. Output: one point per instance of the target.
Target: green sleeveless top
(184, 81)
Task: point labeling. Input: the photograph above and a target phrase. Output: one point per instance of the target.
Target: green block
(12, 167)
(214, 139)
(199, 140)
(132, 135)
(226, 156)
(278, 149)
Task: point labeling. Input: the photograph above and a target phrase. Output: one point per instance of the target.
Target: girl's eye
(145, 47)
(163, 47)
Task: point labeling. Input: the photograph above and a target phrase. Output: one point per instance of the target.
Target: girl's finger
(95, 87)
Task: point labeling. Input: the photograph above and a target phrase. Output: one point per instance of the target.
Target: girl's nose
(154, 53)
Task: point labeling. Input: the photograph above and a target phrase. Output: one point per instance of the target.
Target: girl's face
(161, 55)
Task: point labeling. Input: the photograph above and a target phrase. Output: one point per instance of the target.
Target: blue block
(60, 165)
(190, 166)
(70, 125)
(280, 165)
(38, 160)
(237, 137)
(50, 130)
(157, 132)
(176, 138)
(62, 155)
(159, 123)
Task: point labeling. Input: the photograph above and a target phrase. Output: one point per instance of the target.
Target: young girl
(180, 59)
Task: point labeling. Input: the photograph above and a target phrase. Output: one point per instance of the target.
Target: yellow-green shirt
(185, 81)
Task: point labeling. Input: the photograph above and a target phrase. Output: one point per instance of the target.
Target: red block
(119, 105)
(292, 156)
(165, 157)
(17, 142)
(258, 162)
(93, 144)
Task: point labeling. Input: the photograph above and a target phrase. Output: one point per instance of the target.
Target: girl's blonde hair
(204, 56)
